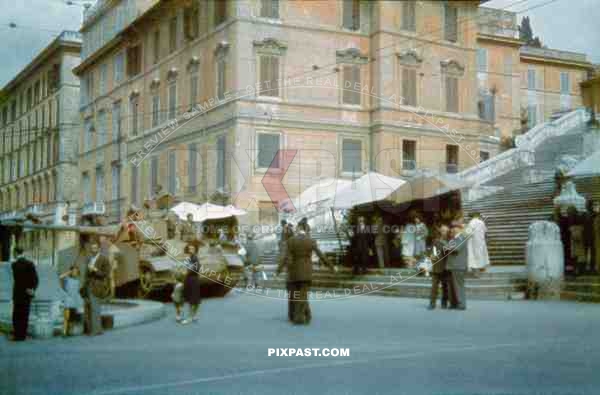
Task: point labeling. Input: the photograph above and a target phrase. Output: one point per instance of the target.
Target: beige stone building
(350, 86)
(39, 125)
(550, 81)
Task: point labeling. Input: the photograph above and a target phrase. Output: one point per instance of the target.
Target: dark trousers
(298, 307)
(20, 318)
(457, 290)
(437, 279)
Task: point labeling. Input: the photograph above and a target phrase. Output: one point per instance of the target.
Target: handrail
(515, 158)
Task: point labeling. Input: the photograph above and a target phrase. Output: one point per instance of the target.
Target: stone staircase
(525, 196)
(499, 283)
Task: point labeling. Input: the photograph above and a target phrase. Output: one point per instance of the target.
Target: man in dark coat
(95, 286)
(25, 282)
(362, 247)
(457, 264)
(439, 273)
(298, 259)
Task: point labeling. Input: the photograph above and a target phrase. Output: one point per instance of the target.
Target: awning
(369, 188)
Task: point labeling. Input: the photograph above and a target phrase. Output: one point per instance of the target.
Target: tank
(149, 251)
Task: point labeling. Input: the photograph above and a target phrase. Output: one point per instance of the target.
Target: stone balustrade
(524, 154)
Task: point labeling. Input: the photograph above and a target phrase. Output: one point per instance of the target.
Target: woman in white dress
(476, 247)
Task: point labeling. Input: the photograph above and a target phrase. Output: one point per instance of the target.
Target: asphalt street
(396, 347)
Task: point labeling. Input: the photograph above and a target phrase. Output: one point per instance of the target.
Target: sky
(561, 24)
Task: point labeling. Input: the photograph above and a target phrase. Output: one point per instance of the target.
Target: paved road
(396, 347)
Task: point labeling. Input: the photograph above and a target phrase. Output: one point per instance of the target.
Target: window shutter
(134, 185)
(192, 164)
(451, 28)
(408, 16)
(451, 94)
(409, 86)
(348, 14)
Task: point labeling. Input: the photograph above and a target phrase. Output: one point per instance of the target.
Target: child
(72, 299)
(177, 297)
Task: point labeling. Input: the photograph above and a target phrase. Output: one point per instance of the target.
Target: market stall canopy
(206, 211)
(425, 185)
(587, 167)
(371, 187)
(319, 196)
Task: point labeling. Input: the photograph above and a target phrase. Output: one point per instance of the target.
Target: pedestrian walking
(191, 285)
(95, 286)
(298, 259)
(25, 282)
(72, 301)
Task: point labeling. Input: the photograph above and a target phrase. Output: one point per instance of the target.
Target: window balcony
(451, 168)
(93, 208)
(409, 164)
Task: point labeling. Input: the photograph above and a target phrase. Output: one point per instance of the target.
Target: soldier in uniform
(457, 264)
(95, 286)
(297, 257)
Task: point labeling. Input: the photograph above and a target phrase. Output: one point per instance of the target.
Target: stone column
(545, 260)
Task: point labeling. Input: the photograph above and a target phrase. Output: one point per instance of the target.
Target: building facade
(39, 126)
(392, 88)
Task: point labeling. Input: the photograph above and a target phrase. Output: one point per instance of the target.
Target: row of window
(37, 123)
(533, 83)
(34, 192)
(31, 96)
(37, 155)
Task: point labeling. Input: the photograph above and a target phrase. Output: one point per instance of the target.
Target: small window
(134, 60)
(482, 60)
(154, 175)
(221, 81)
(191, 22)
(220, 11)
(352, 156)
(155, 109)
(409, 16)
(269, 76)
(99, 184)
(565, 86)
(269, 9)
(135, 195)
(452, 158)
(103, 78)
(409, 86)
(119, 67)
(87, 187)
(172, 182)
(193, 89)
(409, 154)
(156, 47)
(531, 79)
(192, 168)
(450, 23)
(221, 181)
(172, 100)
(101, 128)
(116, 121)
(351, 75)
(134, 115)
(351, 14)
(173, 35)
(115, 182)
(451, 94)
(531, 115)
(268, 148)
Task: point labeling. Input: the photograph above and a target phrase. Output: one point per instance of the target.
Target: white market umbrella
(369, 188)
(588, 167)
(319, 195)
(206, 211)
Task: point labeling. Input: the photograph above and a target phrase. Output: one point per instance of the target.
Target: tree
(526, 34)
